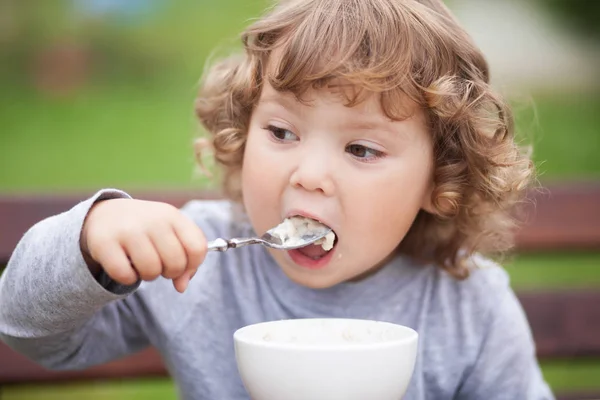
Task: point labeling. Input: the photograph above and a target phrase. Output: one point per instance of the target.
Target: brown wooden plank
(564, 323)
(16, 368)
(578, 396)
(565, 216)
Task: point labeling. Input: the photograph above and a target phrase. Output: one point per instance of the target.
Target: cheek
(259, 154)
(385, 217)
(383, 210)
(259, 185)
(255, 162)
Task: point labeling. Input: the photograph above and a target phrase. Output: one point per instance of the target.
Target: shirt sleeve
(53, 310)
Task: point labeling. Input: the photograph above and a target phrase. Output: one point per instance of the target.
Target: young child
(375, 117)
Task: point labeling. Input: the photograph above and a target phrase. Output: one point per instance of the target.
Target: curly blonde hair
(397, 49)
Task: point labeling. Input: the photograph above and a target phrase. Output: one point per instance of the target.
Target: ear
(427, 201)
(203, 148)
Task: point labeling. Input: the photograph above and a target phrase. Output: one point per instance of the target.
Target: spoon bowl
(274, 239)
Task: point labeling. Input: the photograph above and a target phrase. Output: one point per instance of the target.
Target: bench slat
(565, 324)
(563, 217)
(16, 368)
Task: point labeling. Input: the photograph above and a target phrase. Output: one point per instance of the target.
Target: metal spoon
(270, 239)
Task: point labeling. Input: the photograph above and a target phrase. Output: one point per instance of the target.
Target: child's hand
(134, 239)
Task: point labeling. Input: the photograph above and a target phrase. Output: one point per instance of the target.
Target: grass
(572, 375)
(154, 389)
(555, 270)
(564, 130)
(103, 138)
(135, 128)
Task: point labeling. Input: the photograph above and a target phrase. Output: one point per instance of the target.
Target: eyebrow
(365, 125)
(356, 124)
(361, 124)
(280, 100)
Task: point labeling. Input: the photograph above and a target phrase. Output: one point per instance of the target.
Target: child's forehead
(337, 91)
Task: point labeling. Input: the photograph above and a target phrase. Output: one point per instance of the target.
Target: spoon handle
(222, 245)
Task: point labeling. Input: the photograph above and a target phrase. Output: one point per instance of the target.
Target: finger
(143, 256)
(171, 252)
(181, 283)
(113, 259)
(193, 241)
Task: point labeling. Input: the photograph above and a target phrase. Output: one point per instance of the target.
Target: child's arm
(507, 367)
(53, 310)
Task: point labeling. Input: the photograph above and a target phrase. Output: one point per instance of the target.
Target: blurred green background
(99, 93)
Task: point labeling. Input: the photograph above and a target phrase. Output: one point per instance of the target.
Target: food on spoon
(292, 229)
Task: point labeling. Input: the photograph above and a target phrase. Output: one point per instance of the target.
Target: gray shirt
(475, 342)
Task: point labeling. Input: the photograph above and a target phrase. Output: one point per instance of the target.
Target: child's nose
(313, 173)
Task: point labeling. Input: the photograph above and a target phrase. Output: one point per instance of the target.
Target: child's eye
(363, 152)
(281, 134)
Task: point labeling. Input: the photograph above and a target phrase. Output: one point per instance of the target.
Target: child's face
(355, 170)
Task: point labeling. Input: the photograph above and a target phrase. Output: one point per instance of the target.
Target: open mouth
(312, 257)
(318, 254)
(298, 228)
(320, 249)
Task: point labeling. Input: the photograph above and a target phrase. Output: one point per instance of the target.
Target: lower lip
(309, 263)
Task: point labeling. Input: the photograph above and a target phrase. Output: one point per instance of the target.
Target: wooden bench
(565, 324)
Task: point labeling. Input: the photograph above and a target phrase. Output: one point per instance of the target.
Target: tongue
(313, 251)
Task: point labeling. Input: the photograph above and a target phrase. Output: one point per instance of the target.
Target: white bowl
(326, 359)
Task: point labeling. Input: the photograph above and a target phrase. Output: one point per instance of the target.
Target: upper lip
(302, 213)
